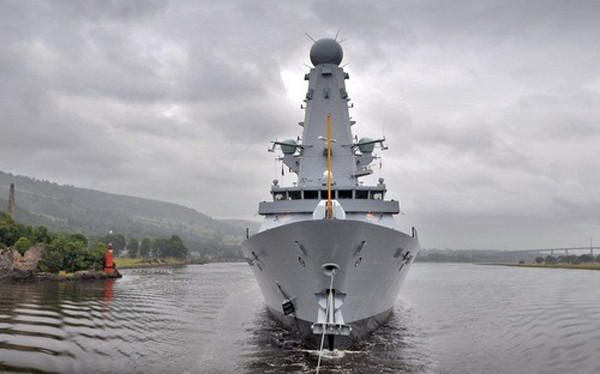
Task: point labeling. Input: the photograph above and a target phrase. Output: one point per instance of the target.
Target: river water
(450, 318)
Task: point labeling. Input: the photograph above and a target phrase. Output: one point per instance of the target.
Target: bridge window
(324, 195)
(311, 194)
(295, 195)
(362, 194)
(345, 194)
(280, 196)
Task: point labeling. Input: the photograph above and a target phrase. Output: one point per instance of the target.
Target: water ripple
(211, 319)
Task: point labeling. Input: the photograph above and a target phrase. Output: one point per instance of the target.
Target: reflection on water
(211, 319)
(395, 348)
(146, 322)
(45, 327)
(496, 319)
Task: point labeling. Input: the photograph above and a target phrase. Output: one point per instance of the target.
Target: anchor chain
(327, 311)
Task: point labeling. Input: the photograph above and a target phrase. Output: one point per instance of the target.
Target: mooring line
(329, 302)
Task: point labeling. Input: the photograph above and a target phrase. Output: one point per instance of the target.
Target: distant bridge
(551, 251)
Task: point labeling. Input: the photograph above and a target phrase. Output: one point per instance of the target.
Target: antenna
(336, 37)
(310, 37)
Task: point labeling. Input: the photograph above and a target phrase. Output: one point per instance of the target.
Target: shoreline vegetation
(121, 263)
(86, 275)
(90, 275)
(136, 263)
(585, 261)
(580, 266)
(30, 253)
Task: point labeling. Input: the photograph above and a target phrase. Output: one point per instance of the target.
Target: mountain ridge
(95, 213)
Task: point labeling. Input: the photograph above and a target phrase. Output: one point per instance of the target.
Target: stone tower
(11, 201)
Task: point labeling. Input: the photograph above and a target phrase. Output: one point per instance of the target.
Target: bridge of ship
(304, 200)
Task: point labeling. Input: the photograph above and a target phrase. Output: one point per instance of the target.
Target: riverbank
(38, 276)
(582, 266)
(134, 263)
(17, 268)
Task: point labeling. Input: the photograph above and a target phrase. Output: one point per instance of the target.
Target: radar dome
(366, 145)
(326, 51)
(288, 147)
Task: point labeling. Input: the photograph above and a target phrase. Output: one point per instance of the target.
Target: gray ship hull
(373, 262)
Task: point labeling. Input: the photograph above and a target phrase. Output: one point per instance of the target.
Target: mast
(341, 159)
(327, 98)
(329, 207)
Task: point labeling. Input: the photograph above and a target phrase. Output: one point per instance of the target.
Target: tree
(133, 246)
(145, 247)
(41, 235)
(162, 248)
(539, 260)
(52, 261)
(80, 238)
(118, 242)
(550, 260)
(172, 247)
(586, 258)
(178, 249)
(70, 253)
(22, 245)
(11, 231)
(98, 256)
(74, 252)
(573, 259)
(99, 246)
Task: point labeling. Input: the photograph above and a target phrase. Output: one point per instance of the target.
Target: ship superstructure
(328, 257)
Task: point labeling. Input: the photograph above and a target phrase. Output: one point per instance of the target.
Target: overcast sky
(491, 108)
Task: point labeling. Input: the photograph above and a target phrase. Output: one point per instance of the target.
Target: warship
(329, 257)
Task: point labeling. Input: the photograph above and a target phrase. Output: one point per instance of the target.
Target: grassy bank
(582, 266)
(130, 263)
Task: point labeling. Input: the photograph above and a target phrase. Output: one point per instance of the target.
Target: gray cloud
(489, 108)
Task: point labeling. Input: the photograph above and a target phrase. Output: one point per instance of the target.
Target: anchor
(330, 321)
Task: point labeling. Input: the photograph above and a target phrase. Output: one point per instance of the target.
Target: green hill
(94, 213)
